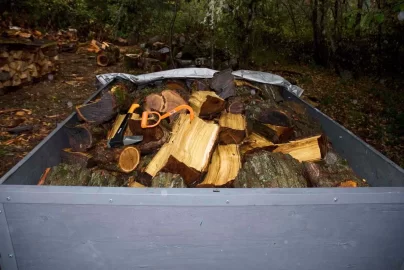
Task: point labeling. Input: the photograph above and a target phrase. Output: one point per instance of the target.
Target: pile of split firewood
(23, 62)
(236, 134)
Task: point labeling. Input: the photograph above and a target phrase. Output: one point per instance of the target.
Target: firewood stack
(22, 62)
(243, 135)
(107, 53)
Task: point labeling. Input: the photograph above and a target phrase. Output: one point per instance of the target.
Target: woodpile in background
(23, 62)
(243, 135)
(107, 53)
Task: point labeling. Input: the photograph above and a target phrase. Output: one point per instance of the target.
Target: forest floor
(366, 108)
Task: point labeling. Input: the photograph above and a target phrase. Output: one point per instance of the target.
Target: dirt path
(369, 109)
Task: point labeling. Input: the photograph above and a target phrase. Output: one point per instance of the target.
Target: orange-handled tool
(145, 115)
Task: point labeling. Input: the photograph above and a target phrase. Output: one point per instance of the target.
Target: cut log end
(129, 159)
(102, 60)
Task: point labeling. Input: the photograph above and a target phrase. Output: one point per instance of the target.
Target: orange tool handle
(133, 107)
(145, 115)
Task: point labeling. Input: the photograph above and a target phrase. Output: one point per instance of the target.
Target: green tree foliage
(328, 31)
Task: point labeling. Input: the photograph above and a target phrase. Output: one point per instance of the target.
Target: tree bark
(358, 18)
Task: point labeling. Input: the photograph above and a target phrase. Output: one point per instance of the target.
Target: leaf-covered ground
(368, 108)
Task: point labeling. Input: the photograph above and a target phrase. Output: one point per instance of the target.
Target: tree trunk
(319, 41)
(358, 19)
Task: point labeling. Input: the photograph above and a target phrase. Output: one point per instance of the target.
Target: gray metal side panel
(7, 255)
(332, 237)
(46, 154)
(366, 161)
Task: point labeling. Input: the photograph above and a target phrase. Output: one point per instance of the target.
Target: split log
(68, 156)
(206, 104)
(80, 138)
(263, 169)
(153, 138)
(233, 128)
(224, 167)
(223, 84)
(135, 185)
(187, 152)
(336, 175)
(168, 180)
(303, 150)
(255, 142)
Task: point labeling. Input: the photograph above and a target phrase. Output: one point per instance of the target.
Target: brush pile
(243, 135)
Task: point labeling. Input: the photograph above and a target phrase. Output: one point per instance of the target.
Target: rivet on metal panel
(8, 198)
(110, 200)
(227, 202)
(10, 255)
(335, 199)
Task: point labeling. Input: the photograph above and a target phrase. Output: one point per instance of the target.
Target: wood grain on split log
(206, 104)
(224, 166)
(303, 150)
(136, 185)
(188, 150)
(255, 142)
(233, 128)
(263, 169)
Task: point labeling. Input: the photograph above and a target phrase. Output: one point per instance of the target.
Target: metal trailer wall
(45, 227)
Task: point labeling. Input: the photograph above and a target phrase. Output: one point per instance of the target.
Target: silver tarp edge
(202, 73)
